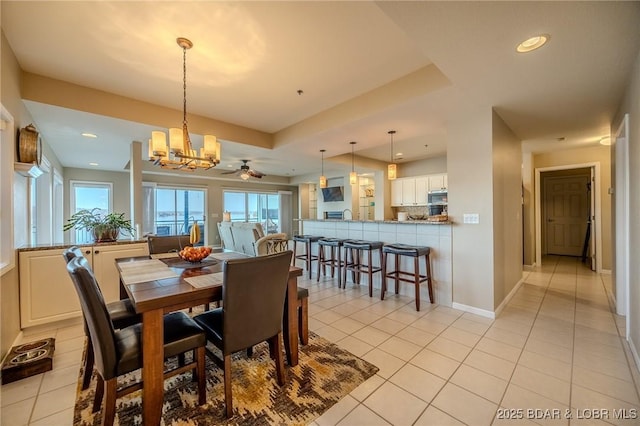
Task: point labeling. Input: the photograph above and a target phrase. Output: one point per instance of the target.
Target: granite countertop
(408, 222)
(36, 247)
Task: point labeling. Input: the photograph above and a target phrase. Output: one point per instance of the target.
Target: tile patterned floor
(555, 349)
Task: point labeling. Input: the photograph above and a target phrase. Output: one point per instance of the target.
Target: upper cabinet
(438, 182)
(412, 191)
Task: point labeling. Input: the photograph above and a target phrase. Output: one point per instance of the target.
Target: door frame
(595, 196)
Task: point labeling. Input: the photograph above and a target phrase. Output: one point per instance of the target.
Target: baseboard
(529, 268)
(634, 352)
(16, 342)
(509, 296)
(605, 271)
(473, 310)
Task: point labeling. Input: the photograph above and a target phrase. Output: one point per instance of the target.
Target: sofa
(249, 238)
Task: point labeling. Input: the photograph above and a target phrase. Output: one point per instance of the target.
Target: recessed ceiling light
(533, 43)
(606, 140)
(89, 135)
(399, 154)
(93, 164)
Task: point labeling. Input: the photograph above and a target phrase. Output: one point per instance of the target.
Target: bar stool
(353, 249)
(334, 261)
(307, 256)
(416, 252)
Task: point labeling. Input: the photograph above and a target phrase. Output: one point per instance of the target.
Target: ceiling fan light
(245, 176)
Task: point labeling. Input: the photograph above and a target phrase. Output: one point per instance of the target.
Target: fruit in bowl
(194, 254)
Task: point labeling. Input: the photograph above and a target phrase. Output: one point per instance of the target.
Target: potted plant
(105, 228)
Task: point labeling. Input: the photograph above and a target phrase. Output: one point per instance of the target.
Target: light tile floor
(555, 349)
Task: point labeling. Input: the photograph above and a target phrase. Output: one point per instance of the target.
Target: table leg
(153, 360)
(290, 322)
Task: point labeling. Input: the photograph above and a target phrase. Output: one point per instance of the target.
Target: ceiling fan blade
(256, 174)
(230, 172)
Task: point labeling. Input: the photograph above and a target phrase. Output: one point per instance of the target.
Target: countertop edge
(64, 246)
(404, 222)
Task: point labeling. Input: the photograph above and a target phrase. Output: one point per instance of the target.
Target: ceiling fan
(245, 172)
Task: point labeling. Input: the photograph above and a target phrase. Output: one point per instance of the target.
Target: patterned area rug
(324, 375)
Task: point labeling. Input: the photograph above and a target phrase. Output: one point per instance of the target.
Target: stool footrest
(400, 276)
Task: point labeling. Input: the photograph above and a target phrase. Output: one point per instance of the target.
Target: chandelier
(181, 155)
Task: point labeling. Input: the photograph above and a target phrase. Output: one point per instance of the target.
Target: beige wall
(600, 154)
(427, 166)
(470, 176)
(507, 210)
(121, 191)
(631, 105)
(9, 285)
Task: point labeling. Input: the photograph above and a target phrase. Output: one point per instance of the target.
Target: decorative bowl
(194, 254)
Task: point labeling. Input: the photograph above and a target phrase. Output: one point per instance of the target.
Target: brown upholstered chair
(121, 312)
(167, 243)
(118, 352)
(252, 309)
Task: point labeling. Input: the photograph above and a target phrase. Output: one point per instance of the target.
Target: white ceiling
(250, 58)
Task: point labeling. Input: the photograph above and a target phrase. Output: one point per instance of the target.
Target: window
(262, 207)
(170, 210)
(89, 195)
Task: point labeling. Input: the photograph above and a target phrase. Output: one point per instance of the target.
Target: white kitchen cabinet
(46, 290)
(438, 182)
(396, 192)
(411, 191)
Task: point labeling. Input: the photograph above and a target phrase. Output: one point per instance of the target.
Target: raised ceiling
(364, 68)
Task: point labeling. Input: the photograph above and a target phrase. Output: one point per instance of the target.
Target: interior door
(567, 204)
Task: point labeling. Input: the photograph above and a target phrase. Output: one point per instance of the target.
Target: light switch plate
(471, 218)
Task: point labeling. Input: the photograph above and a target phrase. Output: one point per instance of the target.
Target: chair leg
(202, 375)
(97, 399)
(88, 365)
(227, 385)
(279, 359)
(429, 285)
(370, 272)
(303, 320)
(383, 284)
(397, 274)
(320, 260)
(109, 411)
(416, 279)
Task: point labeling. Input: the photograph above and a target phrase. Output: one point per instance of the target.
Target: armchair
(247, 237)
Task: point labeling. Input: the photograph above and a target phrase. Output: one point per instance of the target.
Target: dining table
(162, 284)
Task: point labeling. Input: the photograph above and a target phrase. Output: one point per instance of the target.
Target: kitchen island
(436, 235)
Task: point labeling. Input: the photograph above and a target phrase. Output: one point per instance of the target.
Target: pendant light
(392, 172)
(323, 178)
(353, 176)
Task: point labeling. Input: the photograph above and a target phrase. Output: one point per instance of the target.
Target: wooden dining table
(158, 286)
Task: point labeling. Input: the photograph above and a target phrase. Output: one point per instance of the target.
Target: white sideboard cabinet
(46, 291)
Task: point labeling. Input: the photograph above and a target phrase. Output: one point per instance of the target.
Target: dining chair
(118, 352)
(159, 244)
(121, 312)
(253, 292)
(167, 243)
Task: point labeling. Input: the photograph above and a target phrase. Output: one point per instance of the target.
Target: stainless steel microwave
(437, 198)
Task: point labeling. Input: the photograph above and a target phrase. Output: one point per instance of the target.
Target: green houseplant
(104, 228)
